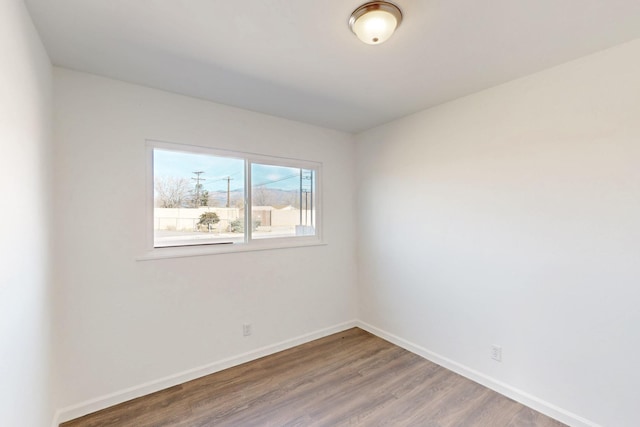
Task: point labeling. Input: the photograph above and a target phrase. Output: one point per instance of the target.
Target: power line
(277, 180)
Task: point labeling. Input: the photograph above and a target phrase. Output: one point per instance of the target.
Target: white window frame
(249, 244)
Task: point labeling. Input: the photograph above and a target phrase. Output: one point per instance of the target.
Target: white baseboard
(102, 402)
(520, 396)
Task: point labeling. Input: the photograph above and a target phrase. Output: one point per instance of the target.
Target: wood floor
(348, 379)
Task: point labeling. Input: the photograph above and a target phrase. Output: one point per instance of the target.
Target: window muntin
(207, 198)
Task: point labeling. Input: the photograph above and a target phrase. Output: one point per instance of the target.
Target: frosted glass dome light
(375, 22)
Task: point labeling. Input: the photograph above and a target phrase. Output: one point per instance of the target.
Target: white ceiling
(298, 59)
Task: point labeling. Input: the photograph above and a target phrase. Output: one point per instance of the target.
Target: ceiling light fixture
(375, 22)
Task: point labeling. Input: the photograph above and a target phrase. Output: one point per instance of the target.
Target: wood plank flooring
(347, 379)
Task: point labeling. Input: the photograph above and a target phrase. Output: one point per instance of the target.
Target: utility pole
(197, 179)
(228, 179)
(306, 207)
(308, 204)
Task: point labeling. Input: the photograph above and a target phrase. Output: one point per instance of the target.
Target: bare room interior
(462, 205)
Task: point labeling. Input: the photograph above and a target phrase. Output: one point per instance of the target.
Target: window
(282, 201)
(226, 201)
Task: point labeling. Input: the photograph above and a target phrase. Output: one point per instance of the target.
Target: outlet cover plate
(496, 353)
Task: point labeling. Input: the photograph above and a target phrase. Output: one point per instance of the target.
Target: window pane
(283, 201)
(198, 198)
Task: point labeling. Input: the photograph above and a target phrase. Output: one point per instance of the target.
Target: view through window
(282, 201)
(205, 197)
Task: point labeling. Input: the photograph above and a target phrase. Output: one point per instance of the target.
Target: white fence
(186, 219)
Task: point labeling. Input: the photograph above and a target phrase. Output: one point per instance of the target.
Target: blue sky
(169, 163)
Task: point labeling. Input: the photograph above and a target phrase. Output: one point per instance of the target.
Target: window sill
(204, 250)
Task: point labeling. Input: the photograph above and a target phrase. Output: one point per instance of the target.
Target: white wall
(126, 322)
(25, 285)
(519, 226)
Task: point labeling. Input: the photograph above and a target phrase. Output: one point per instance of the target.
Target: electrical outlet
(246, 329)
(496, 353)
